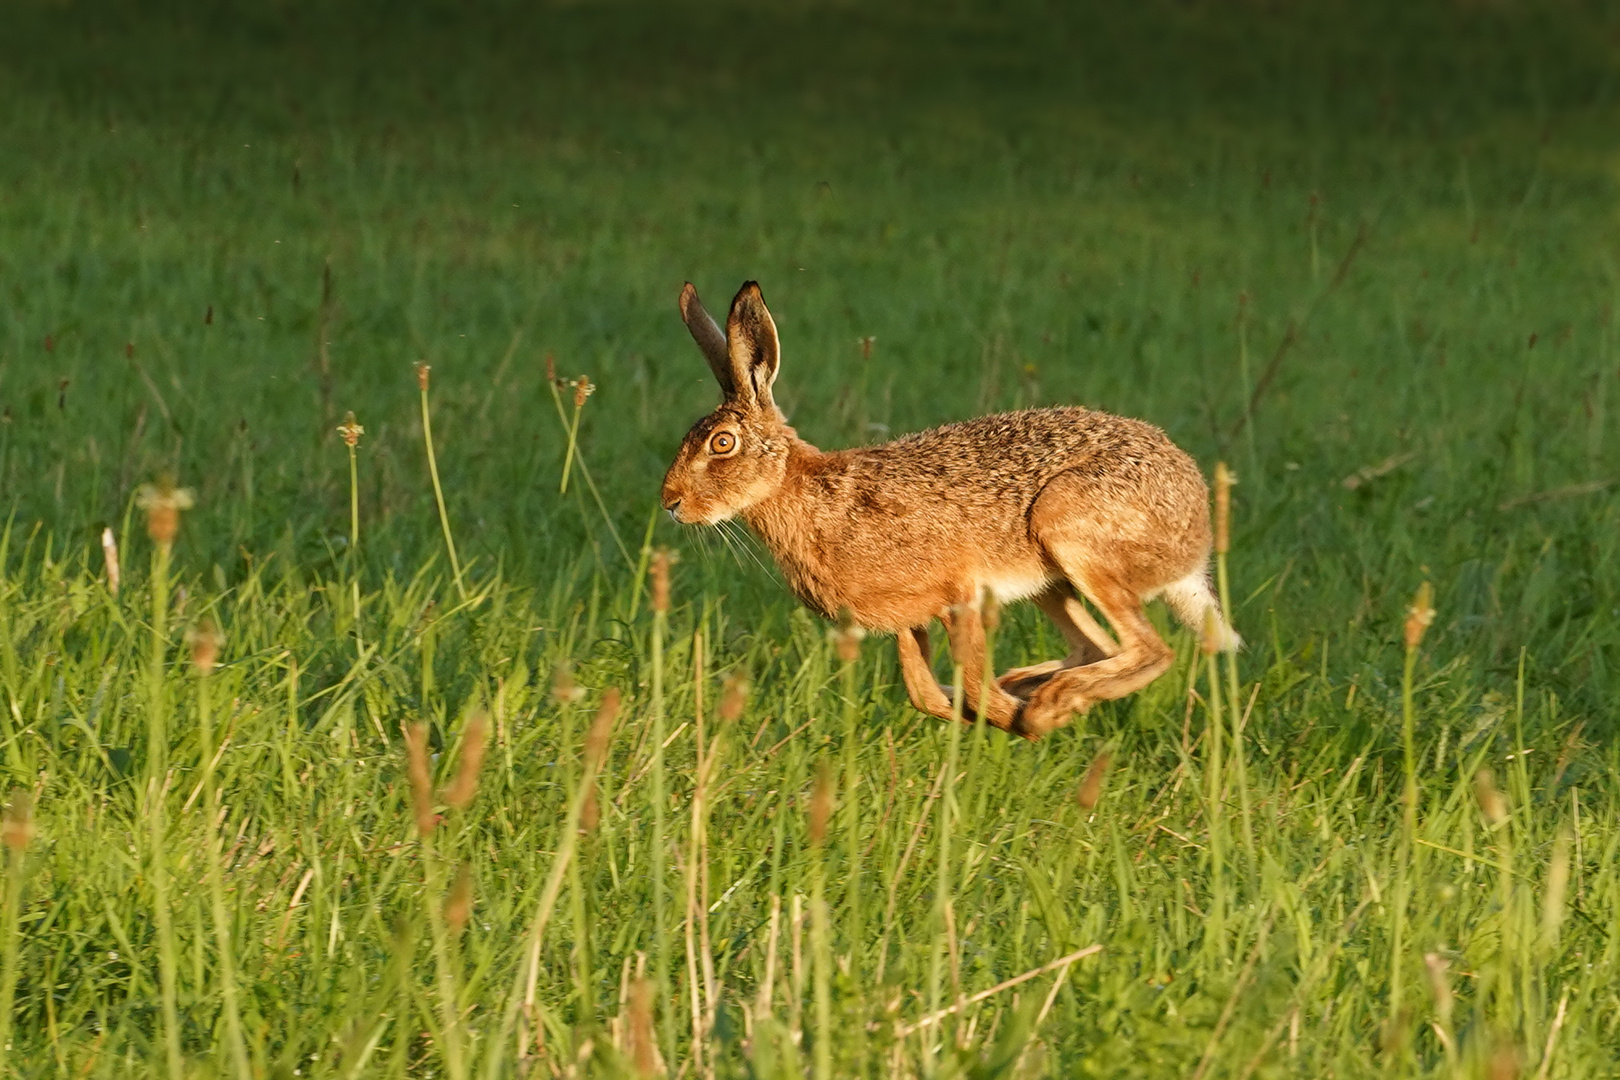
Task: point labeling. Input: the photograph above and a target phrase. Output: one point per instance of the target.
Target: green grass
(1365, 257)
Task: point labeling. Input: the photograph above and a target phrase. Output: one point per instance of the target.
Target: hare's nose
(674, 509)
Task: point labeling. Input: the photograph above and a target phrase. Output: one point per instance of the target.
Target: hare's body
(1042, 504)
(896, 533)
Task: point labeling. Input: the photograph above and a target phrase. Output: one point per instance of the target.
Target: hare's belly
(1010, 586)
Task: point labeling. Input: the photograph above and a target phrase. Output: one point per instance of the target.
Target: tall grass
(1383, 859)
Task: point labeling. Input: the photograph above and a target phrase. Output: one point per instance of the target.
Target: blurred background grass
(1390, 228)
(1026, 204)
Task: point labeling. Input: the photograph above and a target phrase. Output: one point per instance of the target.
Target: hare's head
(737, 455)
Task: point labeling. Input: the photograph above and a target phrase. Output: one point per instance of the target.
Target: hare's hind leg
(1142, 657)
(921, 687)
(1088, 642)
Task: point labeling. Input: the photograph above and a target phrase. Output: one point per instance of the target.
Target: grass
(1369, 272)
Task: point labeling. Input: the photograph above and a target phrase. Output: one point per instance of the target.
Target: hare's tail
(1192, 599)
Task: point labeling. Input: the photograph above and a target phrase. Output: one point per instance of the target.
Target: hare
(1047, 504)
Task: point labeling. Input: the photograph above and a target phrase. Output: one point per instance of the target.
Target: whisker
(730, 542)
(744, 541)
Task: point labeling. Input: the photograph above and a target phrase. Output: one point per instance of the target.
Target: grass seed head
(821, 805)
(563, 687)
(583, 388)
(162, 503)
(458, 905)
(422, 370)
(1209, 641)
(1552, 901)
(551, 369)
(1492, 803)
(205, 640)
(416, 767)
(733, 696)
(18, 827)
(661, 561)
(1224, 479)
(642, 1051)
(1091, 784)
(596, 740)
(350, 430)
(590, 812)
(1440, 984)
(989, 611)
(1419, 615)
(465, 785)
(109, 555)
(1504, 1063)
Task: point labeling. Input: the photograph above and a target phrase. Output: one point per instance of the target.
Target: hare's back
(1017, 453)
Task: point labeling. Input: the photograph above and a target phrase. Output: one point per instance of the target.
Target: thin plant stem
(450, 1039)
(1403, 856)
(16, 852)
(820, 931)
(821, 951)
(585, 1007)
(1418, 617)
(1224, 481)
(852, 818)
(699, 964)
(354, 502)
(157, 771)
(590, 482)
(1240, 755)
(656, 792)
(1216, 797)
(573, 440)
(438, 489)
(216, 886)
(636, 590)
(354, 549)
(942, 902)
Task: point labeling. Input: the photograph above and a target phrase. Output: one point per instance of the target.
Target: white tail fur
(1191, 598)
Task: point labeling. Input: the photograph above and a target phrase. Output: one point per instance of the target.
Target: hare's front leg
(965, 626)
(921, 687)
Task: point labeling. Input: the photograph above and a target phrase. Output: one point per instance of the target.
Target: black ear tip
(749, 294)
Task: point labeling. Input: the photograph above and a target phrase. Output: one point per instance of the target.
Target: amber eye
(722, 442)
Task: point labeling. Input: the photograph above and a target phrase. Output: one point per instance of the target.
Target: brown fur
(1048, 504)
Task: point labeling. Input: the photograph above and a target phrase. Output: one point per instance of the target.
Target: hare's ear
(751, 336)
(709, 337)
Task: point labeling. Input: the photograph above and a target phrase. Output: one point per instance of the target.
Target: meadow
(437, 750)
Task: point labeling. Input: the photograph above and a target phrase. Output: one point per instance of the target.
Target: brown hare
(1045, 504)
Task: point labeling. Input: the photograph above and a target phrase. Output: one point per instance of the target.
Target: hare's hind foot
(1088, 642)
(1021, 682)
(1044, 713)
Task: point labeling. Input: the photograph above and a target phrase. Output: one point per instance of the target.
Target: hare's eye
(722, 442)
